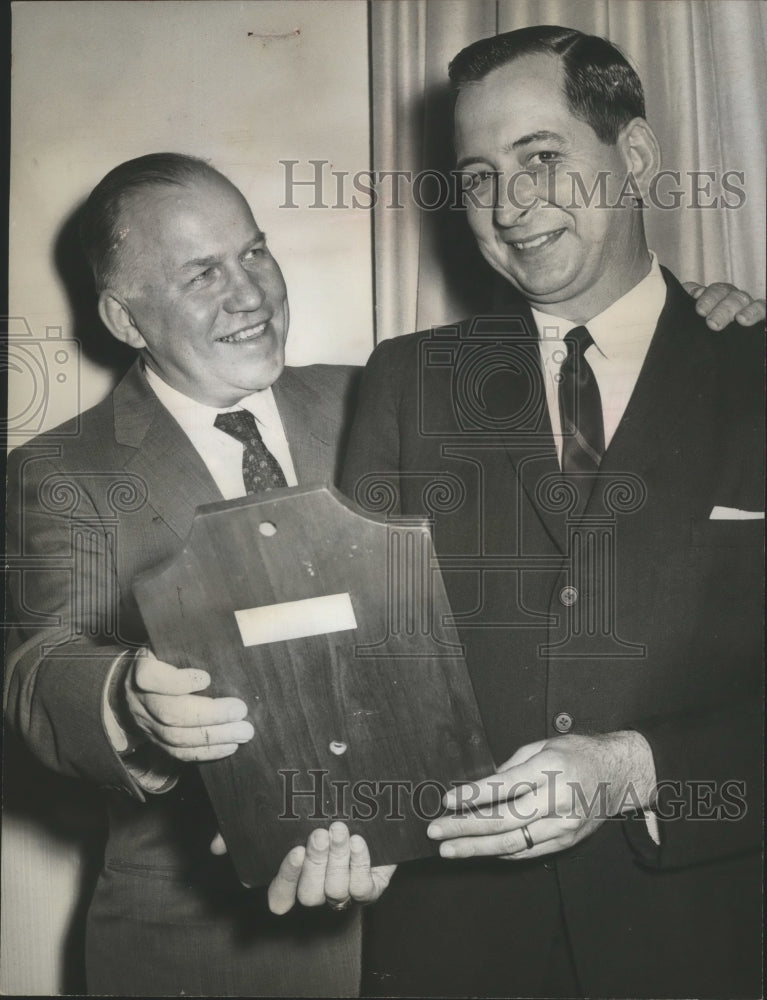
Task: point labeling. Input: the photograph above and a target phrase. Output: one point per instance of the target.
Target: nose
(515, 196)
(245, 292)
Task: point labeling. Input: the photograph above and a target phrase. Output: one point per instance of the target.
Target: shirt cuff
(651, 822)
(152, 771)
(115, 732)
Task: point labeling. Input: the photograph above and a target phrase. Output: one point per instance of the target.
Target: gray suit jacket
(92, 504)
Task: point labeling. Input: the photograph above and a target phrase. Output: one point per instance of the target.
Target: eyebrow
(526, 140)
(191, 265)
(544, 135)
(198, 262)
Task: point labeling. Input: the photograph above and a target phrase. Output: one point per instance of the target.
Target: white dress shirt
(221, 453)
(621, 335)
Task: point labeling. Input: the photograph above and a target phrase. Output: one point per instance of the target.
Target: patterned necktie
(580, 407)
(260, 469)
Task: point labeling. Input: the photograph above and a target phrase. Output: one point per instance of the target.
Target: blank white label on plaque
(296, 619)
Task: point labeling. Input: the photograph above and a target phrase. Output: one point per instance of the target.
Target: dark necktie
(260, 469)
(580, 407)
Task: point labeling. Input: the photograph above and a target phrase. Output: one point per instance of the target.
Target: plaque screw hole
(267, 529)
(338, 747)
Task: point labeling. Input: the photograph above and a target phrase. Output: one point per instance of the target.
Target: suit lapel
(309, 430)
(528, 439)
(177, 479)
(668, 381)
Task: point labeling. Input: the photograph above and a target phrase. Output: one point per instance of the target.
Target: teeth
(528, 244)
(249, 334)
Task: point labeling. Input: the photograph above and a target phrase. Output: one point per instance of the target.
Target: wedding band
(528, 838)
(343, 905)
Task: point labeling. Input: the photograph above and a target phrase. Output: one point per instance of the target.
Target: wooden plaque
(331, 627)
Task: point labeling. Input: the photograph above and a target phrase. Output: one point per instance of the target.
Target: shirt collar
(261, 404)
(625, 326)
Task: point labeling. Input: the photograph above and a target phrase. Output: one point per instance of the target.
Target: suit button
(568, 596)
(563, 722)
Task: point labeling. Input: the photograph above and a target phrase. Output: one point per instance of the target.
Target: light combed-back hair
(601, 87)
(100, 217)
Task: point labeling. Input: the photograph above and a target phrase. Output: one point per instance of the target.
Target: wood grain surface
(369, 725)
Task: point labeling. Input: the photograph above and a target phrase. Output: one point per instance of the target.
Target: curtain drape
(703, 66)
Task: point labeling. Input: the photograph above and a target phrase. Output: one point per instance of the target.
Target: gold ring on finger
(344, 904)
(529, 842)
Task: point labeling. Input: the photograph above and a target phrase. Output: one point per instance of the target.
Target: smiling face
(204, 300)
(567, 256)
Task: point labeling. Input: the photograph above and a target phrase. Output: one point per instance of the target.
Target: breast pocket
(727, 534)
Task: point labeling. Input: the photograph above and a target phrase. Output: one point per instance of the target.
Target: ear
(117, 318)
(286, 315)
(641, 152)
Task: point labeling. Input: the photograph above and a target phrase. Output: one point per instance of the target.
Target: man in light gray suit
(208, 411)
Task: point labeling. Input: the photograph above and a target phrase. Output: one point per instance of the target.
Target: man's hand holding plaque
(166, 707)
(333, 868)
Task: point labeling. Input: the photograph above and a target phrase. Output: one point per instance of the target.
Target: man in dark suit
(184, 276)
(603, 556)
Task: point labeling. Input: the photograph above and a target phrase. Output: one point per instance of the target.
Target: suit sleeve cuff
(149, 768)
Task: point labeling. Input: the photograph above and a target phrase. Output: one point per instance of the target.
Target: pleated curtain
(704, 67)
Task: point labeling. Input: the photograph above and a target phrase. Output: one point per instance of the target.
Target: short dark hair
(100, 215)
(601, 87)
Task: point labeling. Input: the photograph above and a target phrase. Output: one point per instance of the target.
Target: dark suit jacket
(635, 611)
(92, 504)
